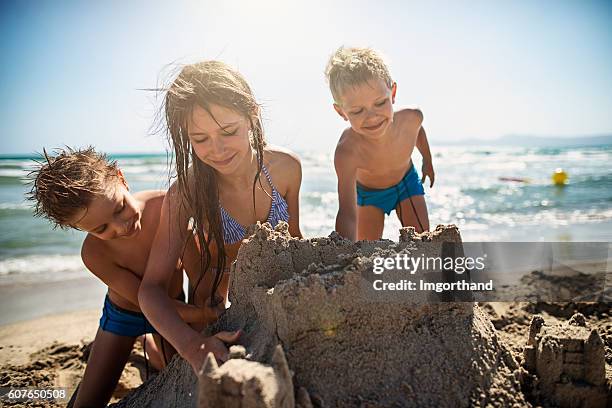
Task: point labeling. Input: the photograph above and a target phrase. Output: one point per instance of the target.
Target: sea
(471, 190)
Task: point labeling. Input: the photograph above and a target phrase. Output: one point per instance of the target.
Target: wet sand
(27, 301)
(51, 351)
(45, 333)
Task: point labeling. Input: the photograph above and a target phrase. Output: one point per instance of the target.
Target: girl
(227, 179)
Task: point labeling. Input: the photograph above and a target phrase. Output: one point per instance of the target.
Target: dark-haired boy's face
(368, 107)
(111, 215)
(220, 138)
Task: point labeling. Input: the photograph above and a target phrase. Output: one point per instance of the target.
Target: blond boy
(373, 156)
(82, 189)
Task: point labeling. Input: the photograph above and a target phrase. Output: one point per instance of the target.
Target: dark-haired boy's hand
(428, 171)
(212, 313)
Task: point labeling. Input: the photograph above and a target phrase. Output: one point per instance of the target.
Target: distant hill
(533, 141)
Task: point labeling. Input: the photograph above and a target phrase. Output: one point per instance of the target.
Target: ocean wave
(316, 198)
(13, 181)
(603, 181)
(17, 163)
(13, 172)
(140, 169)
(16, 206)
(42, 265)
(145, 159)
(552, 217)
(316, 158)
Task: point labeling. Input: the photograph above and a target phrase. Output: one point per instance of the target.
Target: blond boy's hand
(428, 171)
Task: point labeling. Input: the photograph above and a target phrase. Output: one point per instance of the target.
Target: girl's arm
(153, 294)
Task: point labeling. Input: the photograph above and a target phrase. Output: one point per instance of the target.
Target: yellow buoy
(559, 177)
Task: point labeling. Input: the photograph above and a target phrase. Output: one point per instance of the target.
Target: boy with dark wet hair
(83, 189)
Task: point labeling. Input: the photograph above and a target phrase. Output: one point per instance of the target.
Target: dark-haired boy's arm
(126, 283)
(346, 220)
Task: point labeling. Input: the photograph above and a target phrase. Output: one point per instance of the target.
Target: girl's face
(220, 140)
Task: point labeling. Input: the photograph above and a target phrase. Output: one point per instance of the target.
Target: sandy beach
(26, 301)
(45, 333)
(50, 351)
(45, 339)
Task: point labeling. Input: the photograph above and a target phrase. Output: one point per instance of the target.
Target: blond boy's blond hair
(349, 67)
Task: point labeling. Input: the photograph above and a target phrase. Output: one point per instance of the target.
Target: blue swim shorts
(387, 199)
(123, 322)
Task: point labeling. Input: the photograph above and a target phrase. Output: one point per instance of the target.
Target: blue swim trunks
(387, 199)
(123, 322)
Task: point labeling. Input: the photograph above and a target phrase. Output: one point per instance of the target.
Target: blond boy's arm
(124, 282)
(346, 220)
(423, 145)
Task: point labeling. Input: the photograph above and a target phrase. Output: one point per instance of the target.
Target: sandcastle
(314, 335)
(243, 383)
(569, 362)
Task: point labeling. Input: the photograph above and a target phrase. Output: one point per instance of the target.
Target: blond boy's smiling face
(111, 215)
(368, 107)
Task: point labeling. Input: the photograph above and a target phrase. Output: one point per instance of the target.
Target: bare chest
(246, 207)
(384, 166)
(133, 258)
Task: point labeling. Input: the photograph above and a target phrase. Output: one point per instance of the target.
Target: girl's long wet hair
(204, 84)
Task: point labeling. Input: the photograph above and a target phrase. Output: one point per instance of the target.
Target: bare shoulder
(173, 195)
(96, 253)
(149, 195)
(346, 143)
(174, 205)
(346, 148)
(409, 117)
(284, 166)
(348, 137)
(279, 159)
(280, 155)
(152, 198)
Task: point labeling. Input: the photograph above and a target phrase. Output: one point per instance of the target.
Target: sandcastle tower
(345, 345)
(569, 360)
(244, 383)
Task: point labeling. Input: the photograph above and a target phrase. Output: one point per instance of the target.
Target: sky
(75, 73)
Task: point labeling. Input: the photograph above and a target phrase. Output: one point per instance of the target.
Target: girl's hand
(428, 171)
(200, 346)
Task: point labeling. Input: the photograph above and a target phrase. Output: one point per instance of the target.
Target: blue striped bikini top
(234, 232)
